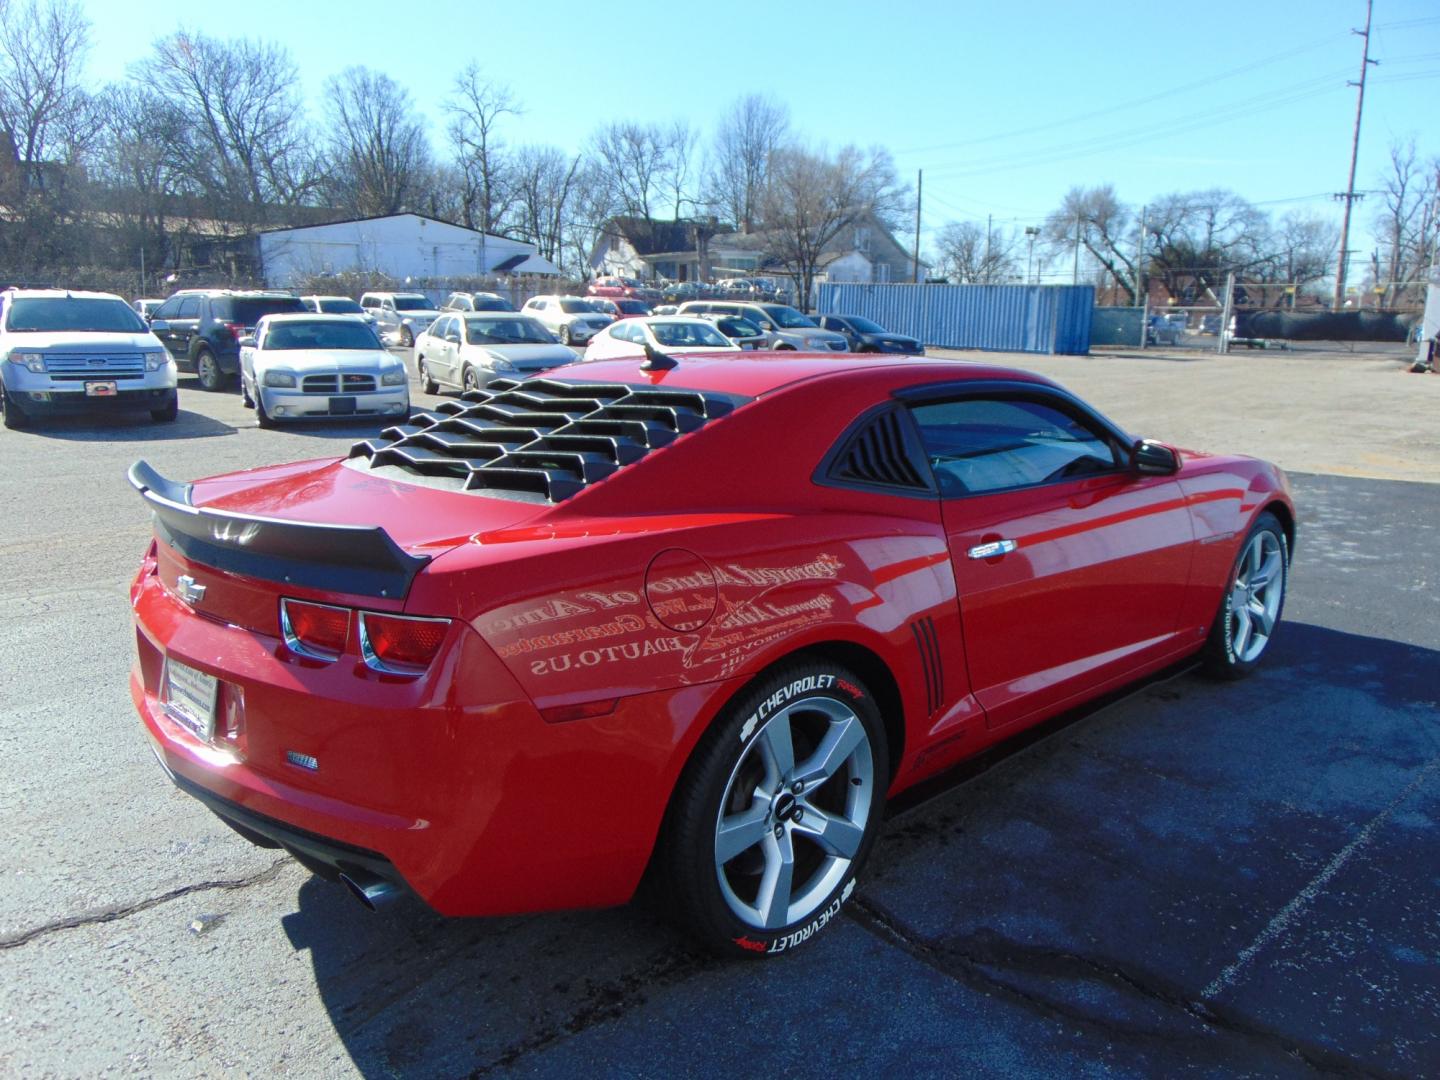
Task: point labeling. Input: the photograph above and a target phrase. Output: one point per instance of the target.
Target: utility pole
(919, 191)
(989, 222)
(1030, 233)
(1348, 196)
(1075, 271)
(1140, 283)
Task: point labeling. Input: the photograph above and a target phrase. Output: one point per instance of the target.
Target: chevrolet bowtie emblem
(189, 591)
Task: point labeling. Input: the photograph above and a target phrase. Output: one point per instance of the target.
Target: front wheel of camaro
(777, 811)
(1254, 601)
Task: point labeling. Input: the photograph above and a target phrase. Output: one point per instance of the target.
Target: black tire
(469, 380)
(407, 337)
(427, 382)
(15, 418)
(207, 370)
(168, 412)
(706, 894)
(566, 337)
(1228, 654)
(262, 418)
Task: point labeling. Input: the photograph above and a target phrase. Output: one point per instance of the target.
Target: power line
(1208, 81)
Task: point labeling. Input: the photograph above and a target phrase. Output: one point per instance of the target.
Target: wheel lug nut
(797, 787)
(799, 813)
(779, 831)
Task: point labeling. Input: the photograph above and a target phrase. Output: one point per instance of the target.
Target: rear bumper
(451, 784)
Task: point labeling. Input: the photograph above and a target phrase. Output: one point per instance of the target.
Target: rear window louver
(881, 453)
(541, 440)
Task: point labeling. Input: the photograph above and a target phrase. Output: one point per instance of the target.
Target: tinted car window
(411, 303)
(576, 307)
(863, 326)
(247, 311)
(483, 331)
(189, 307)
(977, 445)
(321, 335)
(341, 307)
(492, 303)
(787, 317)
(169, 309)
(689, 334)
(57, 314)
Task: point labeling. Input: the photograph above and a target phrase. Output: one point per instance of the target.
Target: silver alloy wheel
(787, 832)
(1256, 594)
(207, 370)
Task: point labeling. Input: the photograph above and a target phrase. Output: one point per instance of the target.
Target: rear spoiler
(360, 559)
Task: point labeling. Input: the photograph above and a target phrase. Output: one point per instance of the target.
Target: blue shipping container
(1008, 318)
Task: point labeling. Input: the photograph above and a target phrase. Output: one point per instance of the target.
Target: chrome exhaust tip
(374, 892)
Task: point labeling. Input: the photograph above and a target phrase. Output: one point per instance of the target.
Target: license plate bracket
(342, 406)
(101, 388)
(189, 698)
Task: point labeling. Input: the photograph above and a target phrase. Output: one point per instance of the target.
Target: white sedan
(663, 334)
(305, 366)
(468, 349)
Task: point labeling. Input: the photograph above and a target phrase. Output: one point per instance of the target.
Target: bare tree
(810, 198)
(43, 129)
(1301, 252)
(755, 126)
(1406, 223)
(682, 141)
(974, 255)
(377, 149)
(634, 160)
(1203, 235)
(249, 152)
(544, 181)
(476, 108)
(1096, 221)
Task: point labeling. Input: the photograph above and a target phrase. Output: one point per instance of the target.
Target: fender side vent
(929, 645)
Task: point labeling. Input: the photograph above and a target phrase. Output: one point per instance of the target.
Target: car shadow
(127, 427)
(412, 993)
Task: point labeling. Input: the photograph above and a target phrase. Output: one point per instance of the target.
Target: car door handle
(992, 549)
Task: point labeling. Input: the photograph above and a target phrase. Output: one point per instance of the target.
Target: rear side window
(983, 444)
(248, 311)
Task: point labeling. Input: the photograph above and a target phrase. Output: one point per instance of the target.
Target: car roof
(318, 296)
(60, 294)
(751, 374)
(492, 315)
(313, 316)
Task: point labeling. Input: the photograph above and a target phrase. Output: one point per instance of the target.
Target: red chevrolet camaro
(694, 619)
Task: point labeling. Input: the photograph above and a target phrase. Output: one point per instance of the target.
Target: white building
(400, 245)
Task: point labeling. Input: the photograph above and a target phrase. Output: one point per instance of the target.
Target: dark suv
(202, 330)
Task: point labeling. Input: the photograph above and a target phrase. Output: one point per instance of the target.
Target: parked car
(665, 334)
(784, 327)
(468, 350)
(68, 352)
(563, 628)
(476, 301)
(336, 305)
(400, 317)
(311, 367)
(623, 286)
(664, 309)
(1166, 329)
(146, 308)
(677, 292)
(203, 329)
(864, 335)
(571, 318)
(742, 332)
(619, 307)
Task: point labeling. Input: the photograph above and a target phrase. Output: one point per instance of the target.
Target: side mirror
(247, 341)
(1153, 459)
(159, 324)
(453, 337)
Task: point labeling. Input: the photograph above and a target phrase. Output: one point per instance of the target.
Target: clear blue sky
(1004, 105)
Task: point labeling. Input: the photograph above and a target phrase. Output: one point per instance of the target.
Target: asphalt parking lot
(1194, 877)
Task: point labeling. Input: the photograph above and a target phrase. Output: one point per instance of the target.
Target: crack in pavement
(978, 960)
(124, 911)
(606, 1001)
